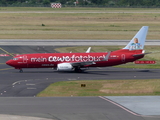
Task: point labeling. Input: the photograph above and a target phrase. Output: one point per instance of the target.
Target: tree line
(114, 3)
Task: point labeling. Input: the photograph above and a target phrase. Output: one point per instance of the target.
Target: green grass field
(103, 88)
(76, 25)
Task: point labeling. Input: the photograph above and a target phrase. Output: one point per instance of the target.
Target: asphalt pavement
(67, 108)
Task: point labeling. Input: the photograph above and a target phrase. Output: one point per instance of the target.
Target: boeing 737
(77, 61)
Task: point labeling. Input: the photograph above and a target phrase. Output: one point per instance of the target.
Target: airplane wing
(90, 62)
(82, 63)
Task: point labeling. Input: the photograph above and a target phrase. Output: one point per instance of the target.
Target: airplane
(78, 61)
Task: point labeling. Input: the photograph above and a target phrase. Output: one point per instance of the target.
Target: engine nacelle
(65, 67)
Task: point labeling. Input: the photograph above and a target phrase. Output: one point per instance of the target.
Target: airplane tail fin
(137, 42)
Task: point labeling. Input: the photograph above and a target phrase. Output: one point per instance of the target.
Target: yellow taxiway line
(5, 69)
(6, 52)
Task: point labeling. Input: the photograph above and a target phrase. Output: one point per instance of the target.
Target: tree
(62, 1)
(99, 2)
(3, 2)
(131, 2)
(53, 0)
(46, 2)
(151, 2)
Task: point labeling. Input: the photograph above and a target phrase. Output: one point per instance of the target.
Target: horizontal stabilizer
(138, 55)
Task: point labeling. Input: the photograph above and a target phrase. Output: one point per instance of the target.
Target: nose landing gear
(20, 70)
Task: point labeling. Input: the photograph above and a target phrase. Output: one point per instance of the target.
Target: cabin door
(123, 57)
(24, 59)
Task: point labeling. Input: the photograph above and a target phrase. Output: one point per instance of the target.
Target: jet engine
(65, 67)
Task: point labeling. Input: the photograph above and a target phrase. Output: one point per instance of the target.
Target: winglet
(137, 42)
(88, 50)
(107, 56)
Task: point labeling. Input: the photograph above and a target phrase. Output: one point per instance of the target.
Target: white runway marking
(32, 88)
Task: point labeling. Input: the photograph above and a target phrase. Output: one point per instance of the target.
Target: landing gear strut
(20, 70)
(77, 69)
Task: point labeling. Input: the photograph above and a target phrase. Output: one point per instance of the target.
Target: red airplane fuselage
(51, 60)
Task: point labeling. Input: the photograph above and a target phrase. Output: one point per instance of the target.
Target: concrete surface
(69, 42)
(144, 105)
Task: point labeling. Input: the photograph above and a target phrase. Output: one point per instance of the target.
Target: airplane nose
(9, 62)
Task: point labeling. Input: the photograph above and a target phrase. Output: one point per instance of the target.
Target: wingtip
(107, 56)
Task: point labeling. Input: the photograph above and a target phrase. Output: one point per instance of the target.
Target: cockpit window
(15, 58)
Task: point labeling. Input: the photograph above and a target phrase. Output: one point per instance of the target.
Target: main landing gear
(77, 69)
(20, 70)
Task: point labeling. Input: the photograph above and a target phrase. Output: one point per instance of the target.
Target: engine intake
(65, 67)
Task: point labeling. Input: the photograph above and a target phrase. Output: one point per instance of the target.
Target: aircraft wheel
(77, 69)
(21, 71)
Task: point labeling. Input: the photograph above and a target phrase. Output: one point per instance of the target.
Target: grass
(77, 25)
(153, 56)
(103, 88)
(76, 9)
